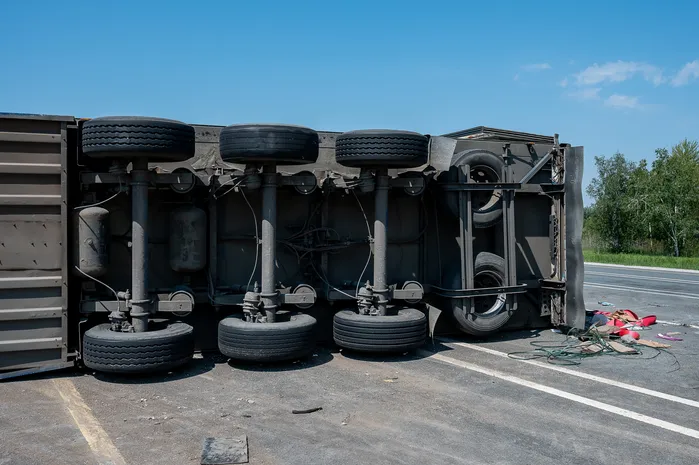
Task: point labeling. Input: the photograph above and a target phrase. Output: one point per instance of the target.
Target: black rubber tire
(151, 351)
(381, 148)
(483, 323)
(269, 143)
(489, 214)
(403, 332)
(267, 342)
(133, 136)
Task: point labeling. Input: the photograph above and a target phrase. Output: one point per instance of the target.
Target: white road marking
(96, 437)
(674, 323)
(579, 374)
(210, 378)
(650, 268)
(643, 278)
(644, 291)
(692, 433)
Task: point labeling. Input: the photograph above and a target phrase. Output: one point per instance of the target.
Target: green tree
(672, 196)
(613, 217)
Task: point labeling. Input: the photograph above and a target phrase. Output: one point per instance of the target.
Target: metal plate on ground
(221, 451)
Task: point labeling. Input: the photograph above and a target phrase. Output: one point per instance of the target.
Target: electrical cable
(571, 350)
(240, 181)
(257, 239)
(328, 283)
(116, 296)
(366, 265)
(81, 207)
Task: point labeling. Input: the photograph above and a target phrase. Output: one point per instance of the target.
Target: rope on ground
(578, 346)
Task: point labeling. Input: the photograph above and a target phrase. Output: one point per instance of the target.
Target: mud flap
(433, 314)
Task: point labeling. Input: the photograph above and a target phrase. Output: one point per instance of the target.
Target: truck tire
(268, 143)
(381, 148)
(491, 313)
(159, 350)
(129, 137)
(485, 167)
(403, 332)
(267, 342)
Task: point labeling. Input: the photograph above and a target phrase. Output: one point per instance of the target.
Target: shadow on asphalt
(195, 367)
(382, 357)
(319, 357)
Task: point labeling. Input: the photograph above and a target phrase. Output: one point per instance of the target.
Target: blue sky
(607, 75)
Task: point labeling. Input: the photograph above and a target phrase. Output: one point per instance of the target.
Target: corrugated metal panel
(33, 231)
(486, 133)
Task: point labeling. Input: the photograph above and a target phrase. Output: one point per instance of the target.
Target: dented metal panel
(33, 235)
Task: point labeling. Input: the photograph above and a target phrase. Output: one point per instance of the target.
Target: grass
(662, 261)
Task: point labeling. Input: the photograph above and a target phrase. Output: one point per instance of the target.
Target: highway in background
(672, 295)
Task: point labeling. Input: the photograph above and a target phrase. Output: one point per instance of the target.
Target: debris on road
(219, 451)
(622, 348)
(654, 344)
(606, 304)
(309, 410)
(667, 337)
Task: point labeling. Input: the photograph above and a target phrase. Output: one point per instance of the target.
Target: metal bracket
(298, 180)
(158, 178)
(480, 292)
(413, 182)
(410, 293)
(536, 168)
(552, 284)
(481, 186)
(108, 306)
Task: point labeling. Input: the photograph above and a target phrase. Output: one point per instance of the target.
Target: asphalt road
(457, 401)
(671, 295)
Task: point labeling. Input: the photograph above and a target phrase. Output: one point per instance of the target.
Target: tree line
(646, 208)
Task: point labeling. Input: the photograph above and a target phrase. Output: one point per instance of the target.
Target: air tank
(91, 232)
(188, 233)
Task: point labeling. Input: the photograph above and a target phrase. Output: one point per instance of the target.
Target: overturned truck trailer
(126, 242)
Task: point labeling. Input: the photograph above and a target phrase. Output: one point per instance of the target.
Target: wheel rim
(491, 304)
(484, 200)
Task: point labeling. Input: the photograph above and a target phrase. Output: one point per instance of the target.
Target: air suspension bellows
(375, 325)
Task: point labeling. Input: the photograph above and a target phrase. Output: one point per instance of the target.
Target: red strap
(623, 332)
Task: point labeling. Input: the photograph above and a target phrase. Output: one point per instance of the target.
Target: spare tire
(268, 143)
(405, 331)
(267, 342)
(159, 350)
(490, 311)
(379, 148)
(485, 167)
(134, 136)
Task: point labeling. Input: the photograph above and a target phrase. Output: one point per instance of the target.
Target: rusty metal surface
(33, 238)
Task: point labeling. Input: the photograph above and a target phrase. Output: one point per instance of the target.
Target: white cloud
(619, 71)
(589, 93)
(564, 82)
(536, 67)
(622, 101)
(687, 73)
